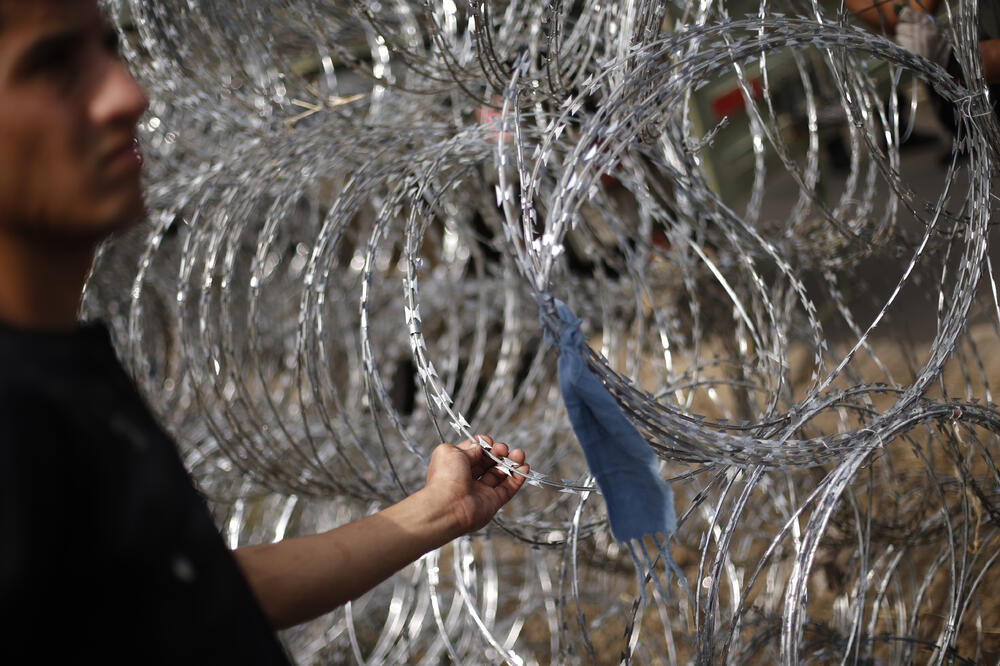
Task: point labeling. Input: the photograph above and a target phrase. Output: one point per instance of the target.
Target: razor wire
(361, 214)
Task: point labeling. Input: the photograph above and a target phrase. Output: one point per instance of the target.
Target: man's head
(70, 169)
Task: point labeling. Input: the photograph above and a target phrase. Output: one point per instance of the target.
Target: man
(106, 550)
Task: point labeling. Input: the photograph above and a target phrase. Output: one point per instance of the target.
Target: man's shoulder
(25, 382)
(61, 375)
(21, 398)
(39, 425)
(36, 433)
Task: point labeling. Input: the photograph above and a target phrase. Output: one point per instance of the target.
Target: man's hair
(4, 13)
(5, 7)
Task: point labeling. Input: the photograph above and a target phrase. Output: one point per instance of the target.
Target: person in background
(108, 554)
(913, 26)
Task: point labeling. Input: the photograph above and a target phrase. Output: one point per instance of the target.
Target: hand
(918, 33)
(467, 483)
(301, 578)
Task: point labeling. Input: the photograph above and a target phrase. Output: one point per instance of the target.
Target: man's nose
(119, 98)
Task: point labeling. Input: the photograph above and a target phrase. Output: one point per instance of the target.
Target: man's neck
(41, 283)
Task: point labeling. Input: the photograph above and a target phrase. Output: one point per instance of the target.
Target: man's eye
(56, 57)
(111, 42)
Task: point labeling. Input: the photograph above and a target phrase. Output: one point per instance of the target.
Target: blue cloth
(640, 502)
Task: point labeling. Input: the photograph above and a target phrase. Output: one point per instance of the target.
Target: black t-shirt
(107, 552)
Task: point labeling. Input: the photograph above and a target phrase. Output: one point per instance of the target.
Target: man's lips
(124, 158)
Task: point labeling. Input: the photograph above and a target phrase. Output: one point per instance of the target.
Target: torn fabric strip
(640, 502)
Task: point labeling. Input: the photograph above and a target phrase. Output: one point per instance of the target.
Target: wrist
(436, 515)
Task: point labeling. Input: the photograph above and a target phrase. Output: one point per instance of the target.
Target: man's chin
(91, 231)
(132, 218)
(117, 219)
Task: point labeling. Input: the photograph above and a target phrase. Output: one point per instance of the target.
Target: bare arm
(299, 579)
(990, 52)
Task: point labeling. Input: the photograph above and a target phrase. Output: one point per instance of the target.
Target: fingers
(511, 484)
(500, 450)
(496, 475)
(479, 462)
(474, 452)
(484, 468)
